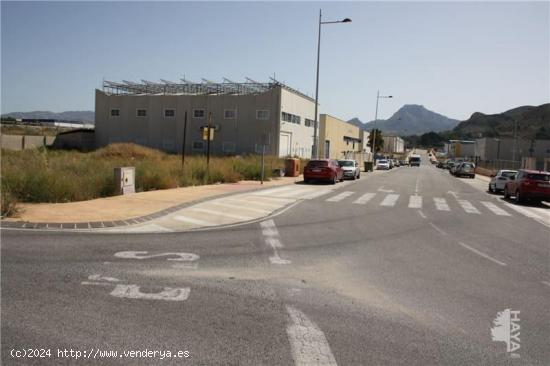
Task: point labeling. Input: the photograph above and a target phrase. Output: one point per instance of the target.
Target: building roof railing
(186, 87)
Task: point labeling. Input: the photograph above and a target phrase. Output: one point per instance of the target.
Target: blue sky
(453, 58)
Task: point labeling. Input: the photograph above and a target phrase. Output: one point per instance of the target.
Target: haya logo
(506, 329)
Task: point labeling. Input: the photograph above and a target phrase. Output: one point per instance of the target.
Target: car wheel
(506, 193)
(307, 181)
(358, 175)
(519, 197)
(334, 179)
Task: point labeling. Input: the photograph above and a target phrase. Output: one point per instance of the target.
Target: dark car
(323, 169)
(465, 169)
(529, 185)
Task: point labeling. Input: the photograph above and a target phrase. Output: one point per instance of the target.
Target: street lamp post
(315, 151)
(378, 96)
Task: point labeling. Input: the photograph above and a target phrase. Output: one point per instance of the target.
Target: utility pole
(183, 141)
(515, 141)
(208, 141)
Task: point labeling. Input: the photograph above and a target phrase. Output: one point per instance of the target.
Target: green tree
(431, 139)
(379, 144)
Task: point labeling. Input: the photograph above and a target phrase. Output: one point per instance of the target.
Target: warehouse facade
(245, 117)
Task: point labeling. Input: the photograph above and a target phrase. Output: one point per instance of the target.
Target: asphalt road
(369, 277)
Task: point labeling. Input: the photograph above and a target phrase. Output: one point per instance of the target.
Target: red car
(323, 169)
(529, 185)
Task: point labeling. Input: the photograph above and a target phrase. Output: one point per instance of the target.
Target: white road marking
(340, 196)
(528, 213)
(454, 194)
(181, 257)
(389, 200)
(468, 207)
(415, 201)
(441, 231)
(316, 194)
(258, 203)
(416, 187)
(482, 254)
(168, 293)
(421, 214)
(308, 343)
(192, 220)
(220, 213)
(546, 283)
(494, 208)
(271, 191)
(96, 283)
(441, 204)
(97, 277)
(381, 189)
(364, 198)
(271, 234)
(242, 207)
(147, 228)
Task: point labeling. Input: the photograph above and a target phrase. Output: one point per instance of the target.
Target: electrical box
(125, 179)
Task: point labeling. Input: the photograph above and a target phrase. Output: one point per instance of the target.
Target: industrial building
(337, 138)
(245, 117)
(393, 145)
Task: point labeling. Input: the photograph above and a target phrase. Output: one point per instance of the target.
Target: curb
(119, 223)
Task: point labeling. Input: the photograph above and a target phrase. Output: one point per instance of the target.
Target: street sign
(205, 133)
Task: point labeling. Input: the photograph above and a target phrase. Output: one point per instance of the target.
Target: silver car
(350, 169)
(498, 181)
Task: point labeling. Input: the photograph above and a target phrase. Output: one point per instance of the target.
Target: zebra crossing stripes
(415, 201)
(340, 196)
(494, 208)
(441, 204)
(390, 200)
(468, 207)
(364, 198)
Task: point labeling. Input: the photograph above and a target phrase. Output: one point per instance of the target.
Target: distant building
(393, 144)
(493, 149)
(338, 139)
(245, 116)
(465, 149)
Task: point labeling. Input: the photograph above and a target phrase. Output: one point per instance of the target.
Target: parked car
(396, 163)
(465, 169)
(499, 180)
(390, 162)
(449, 164)
(350, 168)
(528, 185)
(323, 169)
(402, 162)
(440, 164)
(382, 164)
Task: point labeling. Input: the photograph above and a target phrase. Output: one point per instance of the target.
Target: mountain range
(73, 116)
(531, 121)
(411, 119)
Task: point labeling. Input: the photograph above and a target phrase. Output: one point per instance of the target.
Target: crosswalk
(247, 207)
(418, 202)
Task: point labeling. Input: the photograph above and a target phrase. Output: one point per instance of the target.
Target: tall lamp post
(315, 152)
(378, 96)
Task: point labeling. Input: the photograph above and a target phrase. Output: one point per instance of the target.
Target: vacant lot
(64, 176)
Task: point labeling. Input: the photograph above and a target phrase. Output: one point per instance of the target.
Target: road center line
(482, 254)
(441, 231)
(309, 344)
(271, 238)
(422, 214)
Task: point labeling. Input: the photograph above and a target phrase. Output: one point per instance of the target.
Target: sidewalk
(128, 209)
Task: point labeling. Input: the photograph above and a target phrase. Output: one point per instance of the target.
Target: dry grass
(43, 175)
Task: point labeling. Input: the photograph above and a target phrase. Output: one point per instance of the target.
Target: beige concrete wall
(300, 136)
(18, 142)
(335, 130)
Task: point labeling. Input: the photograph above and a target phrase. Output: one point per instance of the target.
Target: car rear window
(346, 163)
(468, 165)
(317, 163)
(509, 174)
(382, 161)
(544, 177)
(414, 158)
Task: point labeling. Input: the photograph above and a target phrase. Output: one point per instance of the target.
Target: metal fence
(499, 164)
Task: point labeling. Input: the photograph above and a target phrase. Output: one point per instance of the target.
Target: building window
(289, 117)
(115, 112)
(198, 113)
(198, 145)
(228, 147)
(262, 114)
(309, 122)
(168, 145)
(169, 113)
(230, 113)
(141, 112)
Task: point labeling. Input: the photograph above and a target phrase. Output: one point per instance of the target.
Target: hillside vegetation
(532, 123)
(42, 175)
